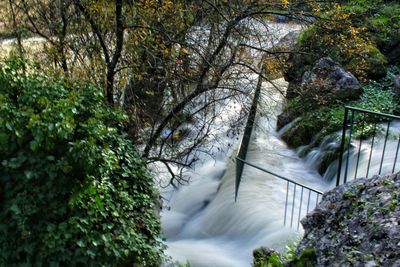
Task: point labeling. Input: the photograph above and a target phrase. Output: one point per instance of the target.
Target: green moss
(363, 51)
(266, 258)
(307, 258)
(370, 63)
(385, 27)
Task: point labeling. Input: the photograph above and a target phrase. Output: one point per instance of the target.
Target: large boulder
(328, 83)
(356, 224)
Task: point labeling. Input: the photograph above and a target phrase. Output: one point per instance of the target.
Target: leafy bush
(376, 99)
(357, 34)
(385, 27)
(73, 190)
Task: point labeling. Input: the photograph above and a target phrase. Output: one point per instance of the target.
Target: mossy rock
(307, 258)
(301, 133)
(264, 257)
(371, 64)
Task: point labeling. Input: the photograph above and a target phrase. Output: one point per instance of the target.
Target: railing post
(346, 113)
(244, 145)
(239, 171)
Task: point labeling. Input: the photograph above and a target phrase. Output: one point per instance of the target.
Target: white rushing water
(204, 225)
(369, 157)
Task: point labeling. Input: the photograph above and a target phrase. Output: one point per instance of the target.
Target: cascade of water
(369, 157)
(207, 228)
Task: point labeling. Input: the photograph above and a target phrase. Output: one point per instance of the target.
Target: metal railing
(295, 203)
(307, 198)
(244, 145)
(364, 126)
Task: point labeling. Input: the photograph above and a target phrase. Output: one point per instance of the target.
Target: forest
(105, 105)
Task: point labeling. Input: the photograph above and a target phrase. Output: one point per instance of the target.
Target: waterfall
(204, 226)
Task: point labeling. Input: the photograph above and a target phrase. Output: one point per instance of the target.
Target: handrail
(290, 205)
(241, 161)
(279, 176)
(244, 144)
(350, 122)
(373, 112)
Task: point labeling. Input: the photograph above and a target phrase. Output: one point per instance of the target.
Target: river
(203, 224)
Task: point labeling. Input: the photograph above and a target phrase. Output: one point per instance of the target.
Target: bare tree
(172, 65)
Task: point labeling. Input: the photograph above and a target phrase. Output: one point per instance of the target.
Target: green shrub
(73, 190)
(376, 98)
(385, 27)
(356, 34)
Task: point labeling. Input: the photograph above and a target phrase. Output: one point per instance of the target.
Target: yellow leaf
(149, 92)
(184, 51)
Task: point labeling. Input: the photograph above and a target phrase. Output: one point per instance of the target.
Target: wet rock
(356, 224)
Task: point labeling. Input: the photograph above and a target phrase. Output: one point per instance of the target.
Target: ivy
(73, 191)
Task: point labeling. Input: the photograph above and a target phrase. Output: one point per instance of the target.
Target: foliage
(73, 190)
(384, 27)
(315, 124)
(307, 258)
(360, 35)
(375, 98)
(263, 258)
(267, 258)
(156, 59)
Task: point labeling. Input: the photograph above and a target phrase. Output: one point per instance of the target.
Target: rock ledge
(356, 224)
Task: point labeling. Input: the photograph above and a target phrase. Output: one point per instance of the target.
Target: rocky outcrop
(356, 224)
(328, 82)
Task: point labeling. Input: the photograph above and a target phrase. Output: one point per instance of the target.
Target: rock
(289, 41)
(356, 224)
(394, 55)
(396, 88)
(266, 257)
(328, 83)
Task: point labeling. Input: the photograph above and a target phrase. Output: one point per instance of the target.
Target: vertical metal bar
(348, 147)
(372, 148)
(244, 145)
(316, 203)
(395, 158)
(286, 203)
(384, 147)
(239, 172)
(359, 146)
(308, 202)
(294, 196)
(346, 112)
(301, 204)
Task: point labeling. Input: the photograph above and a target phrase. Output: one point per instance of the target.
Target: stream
(203, 224)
